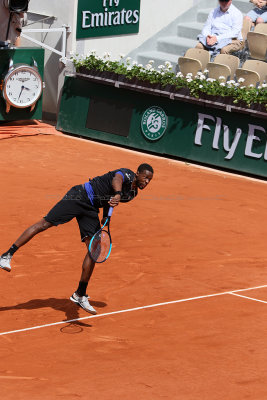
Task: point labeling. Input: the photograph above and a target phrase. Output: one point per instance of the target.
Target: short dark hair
(145, 167)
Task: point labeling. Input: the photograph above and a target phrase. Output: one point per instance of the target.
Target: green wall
(215, 137)
(21, 55)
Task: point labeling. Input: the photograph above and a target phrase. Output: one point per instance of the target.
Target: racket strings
(100, 246)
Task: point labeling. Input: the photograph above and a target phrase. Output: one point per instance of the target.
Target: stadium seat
(250, 77)
(217, 71)
(242, 54)
(261, 28)
(231, 61)
(199, 54)
(251, 70)
(257, 45)
(189, 65)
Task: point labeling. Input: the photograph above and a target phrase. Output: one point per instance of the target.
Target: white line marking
(249, 298)
(133, 309)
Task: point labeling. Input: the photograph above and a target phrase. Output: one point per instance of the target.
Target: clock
(22, 86)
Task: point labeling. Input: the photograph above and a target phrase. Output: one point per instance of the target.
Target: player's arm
(117, 182)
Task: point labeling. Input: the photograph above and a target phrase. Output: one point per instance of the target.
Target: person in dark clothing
(83, 202)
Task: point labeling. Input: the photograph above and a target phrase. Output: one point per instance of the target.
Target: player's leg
(62, 212)
(25, 237)
(88, 224)
(80, 296)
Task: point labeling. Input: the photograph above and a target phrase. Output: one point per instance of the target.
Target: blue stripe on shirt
(90, 192)
(121, 173)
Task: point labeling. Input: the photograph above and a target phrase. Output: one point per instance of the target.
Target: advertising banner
(194, 132)
(107, 18)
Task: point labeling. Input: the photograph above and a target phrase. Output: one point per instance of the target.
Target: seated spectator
(222, 31)
(259, 14)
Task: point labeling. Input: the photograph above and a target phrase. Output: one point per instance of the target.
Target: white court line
(132, 309)
(249, 298)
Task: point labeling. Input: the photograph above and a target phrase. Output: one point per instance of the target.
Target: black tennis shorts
(75, 204)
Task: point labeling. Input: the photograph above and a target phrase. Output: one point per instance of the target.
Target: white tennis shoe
(5, 262)
(83, 302)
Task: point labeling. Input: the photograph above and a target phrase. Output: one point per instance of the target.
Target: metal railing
(65, 29)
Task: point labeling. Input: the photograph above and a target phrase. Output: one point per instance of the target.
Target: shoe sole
(78, 304)
(5, 268)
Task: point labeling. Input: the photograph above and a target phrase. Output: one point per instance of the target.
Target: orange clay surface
(192, 232)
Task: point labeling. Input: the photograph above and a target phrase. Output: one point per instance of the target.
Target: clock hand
(22, 87)
(26, 88)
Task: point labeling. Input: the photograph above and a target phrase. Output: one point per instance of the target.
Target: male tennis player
(83, 202)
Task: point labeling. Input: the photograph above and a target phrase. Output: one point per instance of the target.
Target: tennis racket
(100, 245)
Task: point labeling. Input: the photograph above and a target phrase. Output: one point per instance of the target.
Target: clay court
(182, 300)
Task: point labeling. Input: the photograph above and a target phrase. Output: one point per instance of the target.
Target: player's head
(144, 175)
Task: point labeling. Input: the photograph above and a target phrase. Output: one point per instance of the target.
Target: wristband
(118, 192)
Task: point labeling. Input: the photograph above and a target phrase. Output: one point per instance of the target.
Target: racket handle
(110, 211)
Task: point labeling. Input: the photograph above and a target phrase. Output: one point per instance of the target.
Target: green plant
(163, 75)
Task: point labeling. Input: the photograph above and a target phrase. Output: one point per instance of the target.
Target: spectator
(10, 23)
(222, 30)
(259, 14)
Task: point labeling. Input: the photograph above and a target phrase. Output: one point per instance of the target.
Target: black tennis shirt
(99, 189)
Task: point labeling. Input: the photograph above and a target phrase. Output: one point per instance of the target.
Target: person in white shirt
(222, 30)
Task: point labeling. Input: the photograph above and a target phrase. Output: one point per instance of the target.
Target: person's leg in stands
(232, 47)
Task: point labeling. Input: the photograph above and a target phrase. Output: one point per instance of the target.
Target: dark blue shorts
(75, 204)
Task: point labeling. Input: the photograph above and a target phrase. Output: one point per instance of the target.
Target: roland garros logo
(154, 123)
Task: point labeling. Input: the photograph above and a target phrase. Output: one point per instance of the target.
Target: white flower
(149, 67)
(106, 55)
(231, 82)
(189, 75)
(128, 59)
(264, 85)
(221, 77)
(211, 80)
(135, 62)
(251, 86)
(206, 71)
(151, 62)
(189, 80)
(241, 80)
(200, 86)
(236, 84)
(140, 65)
(243, 87)
(222, 84)
(179, 75)
(168, 64)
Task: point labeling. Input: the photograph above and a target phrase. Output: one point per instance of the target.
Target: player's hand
(103, 220)
(114, 201)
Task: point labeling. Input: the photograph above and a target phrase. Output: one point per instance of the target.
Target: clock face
(22, 86)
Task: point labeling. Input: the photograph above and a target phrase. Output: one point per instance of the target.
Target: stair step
(175, 45)
(189, 30)
(159, 58)
(203, 14)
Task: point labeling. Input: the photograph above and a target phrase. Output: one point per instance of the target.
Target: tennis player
(83, 202)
